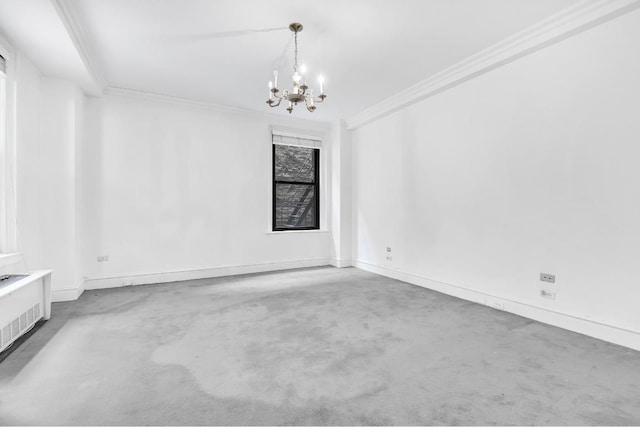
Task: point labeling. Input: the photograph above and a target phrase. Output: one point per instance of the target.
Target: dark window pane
(295, 206)
(294, 163)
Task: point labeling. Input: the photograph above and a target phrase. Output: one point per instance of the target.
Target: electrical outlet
(498, 305)
(550, 278)
(103, 258)
(389, 258)
(547, 294)
(388, 249)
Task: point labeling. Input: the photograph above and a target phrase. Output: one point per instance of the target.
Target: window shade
(297, 141)
(3, 65)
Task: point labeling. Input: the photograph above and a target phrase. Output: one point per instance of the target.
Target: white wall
(167, 190)
(532, 167)
(340, 188)
(61, 142)
(47, 133)
(176, 191)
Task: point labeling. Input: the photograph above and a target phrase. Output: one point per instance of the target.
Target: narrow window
(296, 176)
(3, 162)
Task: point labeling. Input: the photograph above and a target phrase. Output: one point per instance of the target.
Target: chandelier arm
(308, 102)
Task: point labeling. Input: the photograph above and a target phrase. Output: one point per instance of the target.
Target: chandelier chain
(295, 65)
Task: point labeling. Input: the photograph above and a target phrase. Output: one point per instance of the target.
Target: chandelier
(300, 91)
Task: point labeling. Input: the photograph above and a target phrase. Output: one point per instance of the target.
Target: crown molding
(78, 36)
(217, 108)
(569, 22)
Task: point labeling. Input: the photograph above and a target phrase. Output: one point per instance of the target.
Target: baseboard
(68, 294)
(603, 331)
(340, 263)
(178, 276)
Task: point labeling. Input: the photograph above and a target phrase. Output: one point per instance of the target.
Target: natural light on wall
(3, 133)
(7, 169)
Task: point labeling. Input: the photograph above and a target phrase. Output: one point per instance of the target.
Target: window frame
(315, 184)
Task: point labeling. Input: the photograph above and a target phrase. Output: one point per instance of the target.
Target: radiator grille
(6, 335)
(23, 321)
(11, 331)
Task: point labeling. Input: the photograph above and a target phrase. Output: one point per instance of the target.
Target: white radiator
(23, 301)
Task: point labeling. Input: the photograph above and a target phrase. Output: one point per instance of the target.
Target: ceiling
(34, 28)
(224, 51)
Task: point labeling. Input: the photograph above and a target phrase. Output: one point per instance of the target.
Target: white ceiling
(217, 50)
(34, 27)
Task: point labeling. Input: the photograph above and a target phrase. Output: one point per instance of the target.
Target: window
(296, 176)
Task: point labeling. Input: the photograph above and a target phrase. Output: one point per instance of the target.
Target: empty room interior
(288, 212)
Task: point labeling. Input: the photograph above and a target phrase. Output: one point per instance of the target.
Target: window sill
(10, 259)
(297, 231)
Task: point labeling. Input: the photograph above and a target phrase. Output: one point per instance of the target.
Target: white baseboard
(605, 332)
(340, 263)
(178, 276)
(68, 294)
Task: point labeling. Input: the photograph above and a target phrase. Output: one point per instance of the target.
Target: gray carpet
(312, 346)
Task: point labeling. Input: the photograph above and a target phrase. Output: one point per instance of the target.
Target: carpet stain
(271, 354)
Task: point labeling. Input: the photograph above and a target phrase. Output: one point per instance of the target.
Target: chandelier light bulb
(303, 71)
(270, 84)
